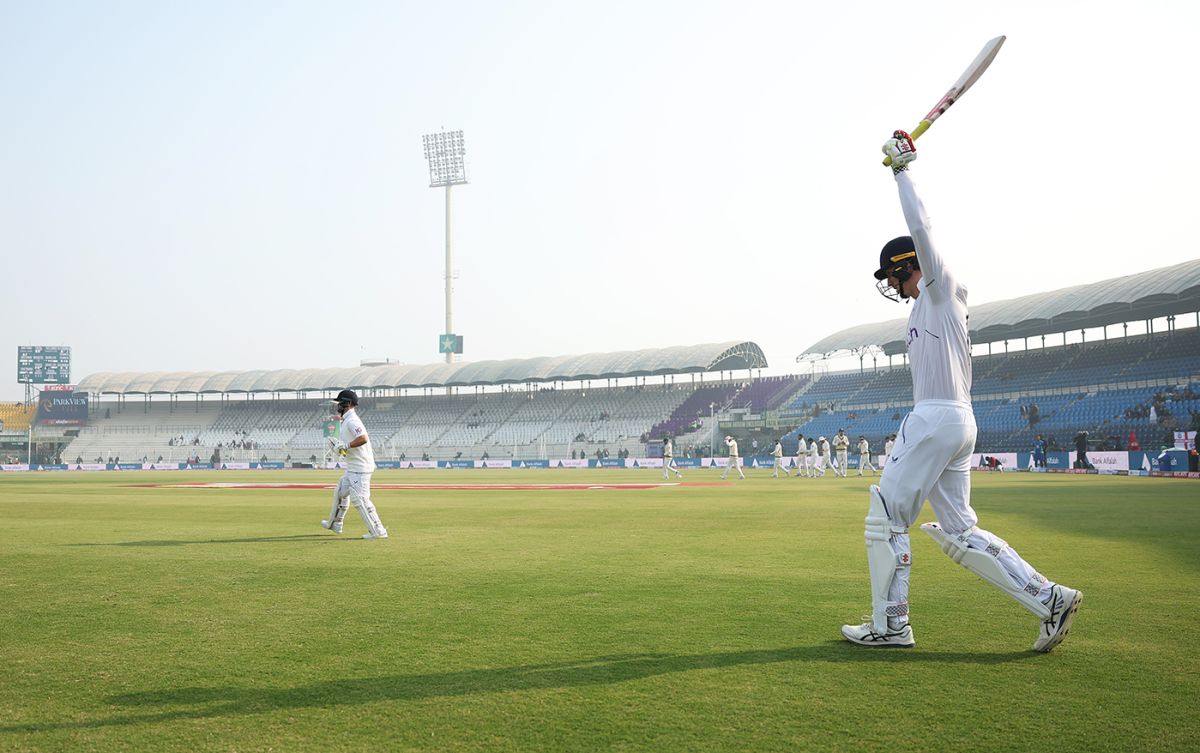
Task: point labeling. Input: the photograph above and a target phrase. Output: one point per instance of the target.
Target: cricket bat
(969, 77)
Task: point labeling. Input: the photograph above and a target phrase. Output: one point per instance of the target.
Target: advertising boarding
(62, 408)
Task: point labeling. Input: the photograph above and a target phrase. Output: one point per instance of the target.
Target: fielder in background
(669, 459)
(841, 446)
(888, 444)
(777, 453)
(932, 455)
(822, 455)
(864, 455)
(354, 488)
(731, 443)
(814, 457)
(803, 467)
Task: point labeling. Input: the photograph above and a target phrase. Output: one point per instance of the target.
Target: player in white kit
(823, 456)
(777, 453)
(841, 446)
(669, 459)
(864, 455)
(803, 467)
(733, 458)
(354, 488)
(931, 458)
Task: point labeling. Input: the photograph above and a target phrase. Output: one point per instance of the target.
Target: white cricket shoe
(375, 535)
(1064, 603)
(335, 527)
(866, 635)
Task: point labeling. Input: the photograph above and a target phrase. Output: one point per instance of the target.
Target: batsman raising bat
(931, 458)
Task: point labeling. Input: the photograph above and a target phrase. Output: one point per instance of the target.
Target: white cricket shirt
(358, 459)
(733, 451)
(939, 346)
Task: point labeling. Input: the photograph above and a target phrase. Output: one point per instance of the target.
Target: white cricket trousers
(355, 488)
(733, 463)
(932, 460)
(669, 467)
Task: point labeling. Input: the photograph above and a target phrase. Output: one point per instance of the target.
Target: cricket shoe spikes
(866, 635)
(1064, 603)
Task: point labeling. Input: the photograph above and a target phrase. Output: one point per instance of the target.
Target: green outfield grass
(669, 619)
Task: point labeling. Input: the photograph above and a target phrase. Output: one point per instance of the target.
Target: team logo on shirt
(912, 335)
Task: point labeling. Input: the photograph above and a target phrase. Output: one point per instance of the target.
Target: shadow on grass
(253, 540)
(175, 704)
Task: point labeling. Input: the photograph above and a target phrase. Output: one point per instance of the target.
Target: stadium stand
(553, 406)
(1075, 388)
(15, 417)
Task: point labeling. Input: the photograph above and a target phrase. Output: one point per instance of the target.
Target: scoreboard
(44, 364)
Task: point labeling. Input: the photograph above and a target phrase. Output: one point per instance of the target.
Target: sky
(231, 185)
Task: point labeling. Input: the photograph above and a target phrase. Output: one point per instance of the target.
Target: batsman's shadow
(313, 537)
(174, 704)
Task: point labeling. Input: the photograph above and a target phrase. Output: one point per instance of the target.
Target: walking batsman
(354, 488)
(932, 455)
(733, 459)
(777, 453)
(841, 445)
(864, 455)
(669, 459)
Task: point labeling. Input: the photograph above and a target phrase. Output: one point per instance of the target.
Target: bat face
(969, 77)
(965, 81)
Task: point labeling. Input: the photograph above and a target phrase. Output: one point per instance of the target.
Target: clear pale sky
(223, 185)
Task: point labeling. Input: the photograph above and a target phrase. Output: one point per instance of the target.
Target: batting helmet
(895, 255)
(347, 396)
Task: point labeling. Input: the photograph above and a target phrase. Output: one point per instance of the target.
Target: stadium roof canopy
(1146, 295)
(682, 359)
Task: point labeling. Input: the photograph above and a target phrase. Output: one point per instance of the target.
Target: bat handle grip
(922, 127)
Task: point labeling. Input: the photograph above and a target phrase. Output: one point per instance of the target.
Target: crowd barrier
(1172, 462)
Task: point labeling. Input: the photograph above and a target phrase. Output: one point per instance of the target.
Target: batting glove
(901, 149)
(339, 447)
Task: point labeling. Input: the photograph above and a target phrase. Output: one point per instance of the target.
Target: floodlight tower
(444, 151)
